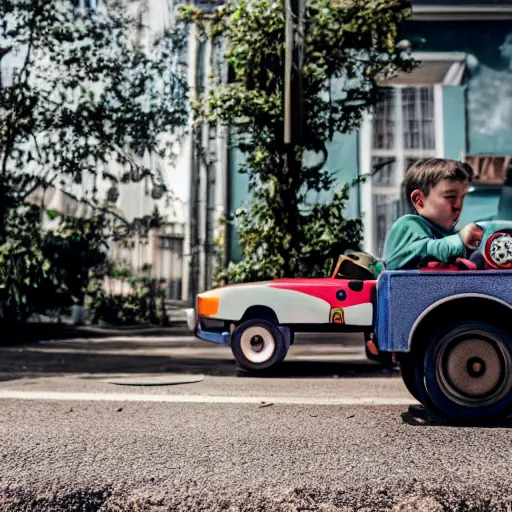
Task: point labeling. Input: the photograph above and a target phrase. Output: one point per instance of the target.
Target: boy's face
(443, 204)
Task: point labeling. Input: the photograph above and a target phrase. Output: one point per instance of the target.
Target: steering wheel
(497, 250)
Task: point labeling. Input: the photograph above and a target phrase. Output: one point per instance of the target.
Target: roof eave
(455, 12)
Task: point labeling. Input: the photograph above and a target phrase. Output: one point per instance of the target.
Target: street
(171, 424)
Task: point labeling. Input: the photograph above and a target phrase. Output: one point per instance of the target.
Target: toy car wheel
(408, 368)
(258, 345)
(468, 373)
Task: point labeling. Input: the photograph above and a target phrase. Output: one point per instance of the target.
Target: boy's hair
(426, 173)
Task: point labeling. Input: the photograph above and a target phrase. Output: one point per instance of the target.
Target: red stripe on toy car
(336, 292)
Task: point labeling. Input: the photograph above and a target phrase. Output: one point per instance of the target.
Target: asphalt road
(331, 432)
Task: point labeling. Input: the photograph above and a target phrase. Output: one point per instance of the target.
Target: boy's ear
(417, 198)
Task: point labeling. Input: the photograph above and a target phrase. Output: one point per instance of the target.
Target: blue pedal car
(451, 332)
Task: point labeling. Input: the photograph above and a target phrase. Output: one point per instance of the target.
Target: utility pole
(293, 94)
(195, 187)
(293, 122)
(210, 161)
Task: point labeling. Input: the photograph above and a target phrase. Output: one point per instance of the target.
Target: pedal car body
(258, 320)
(451, 332)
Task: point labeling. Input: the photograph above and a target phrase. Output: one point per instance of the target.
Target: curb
(34, 332)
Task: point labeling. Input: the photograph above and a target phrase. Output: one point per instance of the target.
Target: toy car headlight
(207, 306)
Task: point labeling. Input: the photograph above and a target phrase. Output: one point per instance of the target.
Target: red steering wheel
(498, 250)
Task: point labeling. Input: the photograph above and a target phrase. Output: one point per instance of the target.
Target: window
(15, 75)
(9, 75)
(170, 265)
(384, 121)
(386, 198)
(403, 130)
(418, 116)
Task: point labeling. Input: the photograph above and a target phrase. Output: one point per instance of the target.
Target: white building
(182, 251)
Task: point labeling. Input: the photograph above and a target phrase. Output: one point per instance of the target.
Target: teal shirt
(414, 241)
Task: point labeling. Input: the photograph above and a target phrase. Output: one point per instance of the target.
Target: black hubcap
(476, 367)
(257, 343)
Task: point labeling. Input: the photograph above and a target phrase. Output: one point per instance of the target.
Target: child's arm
(410, 241)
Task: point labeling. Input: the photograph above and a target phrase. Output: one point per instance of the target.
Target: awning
(435, 68)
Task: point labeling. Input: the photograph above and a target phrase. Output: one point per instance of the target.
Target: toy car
(451, 332)
(258, 320)
(447, 325)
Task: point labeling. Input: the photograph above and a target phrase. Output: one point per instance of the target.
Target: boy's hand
(471, 235)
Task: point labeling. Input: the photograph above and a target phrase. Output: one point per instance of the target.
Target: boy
(435, 188)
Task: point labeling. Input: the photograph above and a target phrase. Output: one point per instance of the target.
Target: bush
(144, 304)
(26, 279)
(46, 272)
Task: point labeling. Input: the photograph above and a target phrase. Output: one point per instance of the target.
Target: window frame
(372, 192)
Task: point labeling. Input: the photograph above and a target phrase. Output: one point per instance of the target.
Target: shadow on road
(341, 369)
(419, 416)
(139, 356)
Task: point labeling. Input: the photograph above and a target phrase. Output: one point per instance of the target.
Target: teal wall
(238, 195)
(454, 121)
(488, 45)
(480, 204)
(342, 161)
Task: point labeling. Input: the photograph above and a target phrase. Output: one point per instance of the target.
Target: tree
(47, 271)
(24, 269)
(346, 46)
(87, 91)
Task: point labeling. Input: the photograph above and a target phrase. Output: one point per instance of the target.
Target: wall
(454, 121)
(238, 197)
(488, 44)
(343, 161)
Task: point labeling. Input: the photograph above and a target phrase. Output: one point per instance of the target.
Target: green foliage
(25, 272)
(75, 247)
(346, 46)
(47, 271)
(90, 100)
(144, 304)
(86, 93)
(324, 234)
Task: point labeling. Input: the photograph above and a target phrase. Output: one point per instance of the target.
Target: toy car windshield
(357, 265)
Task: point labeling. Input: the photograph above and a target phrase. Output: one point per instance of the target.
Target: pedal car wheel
(468, 372)
(258, 345)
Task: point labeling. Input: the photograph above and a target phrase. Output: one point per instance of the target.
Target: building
(182, 251)
(457, 104)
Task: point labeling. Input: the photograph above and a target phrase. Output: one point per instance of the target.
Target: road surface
(107, 425)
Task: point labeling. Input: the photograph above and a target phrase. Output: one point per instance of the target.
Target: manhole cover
(155, 380)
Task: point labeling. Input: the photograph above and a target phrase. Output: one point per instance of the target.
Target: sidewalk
(46, 329)
(43, 331)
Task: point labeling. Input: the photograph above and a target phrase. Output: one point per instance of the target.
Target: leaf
(53, 214)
